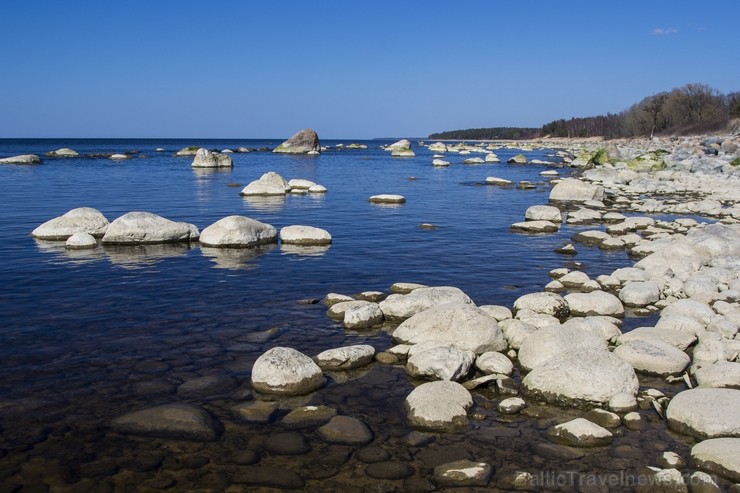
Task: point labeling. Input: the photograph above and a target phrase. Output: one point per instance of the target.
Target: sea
(86, 336)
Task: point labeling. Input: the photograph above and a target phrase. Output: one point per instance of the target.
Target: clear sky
(348, 69)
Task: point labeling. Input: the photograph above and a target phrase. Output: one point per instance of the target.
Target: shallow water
(87, 336)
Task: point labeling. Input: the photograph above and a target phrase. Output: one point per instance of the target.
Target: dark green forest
(690, 109)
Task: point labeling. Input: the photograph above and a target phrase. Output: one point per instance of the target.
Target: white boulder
(285, 371)
(238, 232)
(80, 220)
(136, 228)
(403, 306)
(304, 235)
(438, 406)
(705, 413)
(207, 159)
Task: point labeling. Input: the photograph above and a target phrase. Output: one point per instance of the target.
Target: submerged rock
(346, 430)
(463, 472)
(302, 142)
(80, 220)
(238, 232)
(141, 228)
(285, 371)
(173, 421)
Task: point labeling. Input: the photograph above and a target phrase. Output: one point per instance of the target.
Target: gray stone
(143, 228)
(171, 421)
(285, 371)
(81, 241)
(463, 472)
(722, 374)
(80, 220)
(440, 363)
(556, 340)
(653, 357)
(308, 417)
(511, 405)
(438, 406)
(497, 311)
(535, 227)
(22, 159)
(516, 332)
(238, 232)
(287, 443)
(594, 303)
(604, 327)
(391, 470)
(546, 303)
(268, 476)
(304, 235)
(623, 402)
(676, 338)
(581, 378)
(207, 159)
(63, 152)
(573, 190)
(580, 432)
(603, 418)
(420, 298)
(639, 293)
(494, 362)
(346, 358)
(705, 413)
(362, 315)
(719, 456)
(269, 184)
(346, 430)
(543, 213)
(458, 325)
(387, 199)
(302, 142)
(260, 412)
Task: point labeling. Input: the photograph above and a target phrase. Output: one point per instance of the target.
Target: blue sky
(248, 69)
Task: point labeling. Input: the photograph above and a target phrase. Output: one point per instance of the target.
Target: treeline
(495, 133)
(690, 109)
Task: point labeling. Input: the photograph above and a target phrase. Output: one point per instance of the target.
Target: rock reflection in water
(138, 256)
(304, 250)
(61, 253)
(266, 203)
(234, 258)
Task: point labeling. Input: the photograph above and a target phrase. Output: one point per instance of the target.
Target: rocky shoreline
(561, 345)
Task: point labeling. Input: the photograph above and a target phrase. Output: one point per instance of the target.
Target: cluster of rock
(208, 159)
(272, 184)
(402, 148)
(82, 227)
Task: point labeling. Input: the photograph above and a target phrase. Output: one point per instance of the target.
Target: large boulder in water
(402, 306)
(303, 142)
(270, 183)
(238, 232)
(574, 190)
(173, 421)
(139, 228)
(80, 220)
(285, 371)
(207, 159)
(718, 456)
(458, 325)
(581, 378)
(22, 159)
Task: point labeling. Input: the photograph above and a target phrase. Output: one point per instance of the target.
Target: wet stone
(463, 473)
(555, 451)
(269, 476)
(153, 387)
(161, 482)
(178, 421)
(603, 418)
(255, 412)
(372, 454)
(418, 439)
(288, 443)
(244, 457)
(101, 468)
(308, 417)
(389, 470)
(152, 366)
(346, 430)
(205, 386)
(386, 358)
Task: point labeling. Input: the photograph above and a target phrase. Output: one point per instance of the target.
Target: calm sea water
(86, 336)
